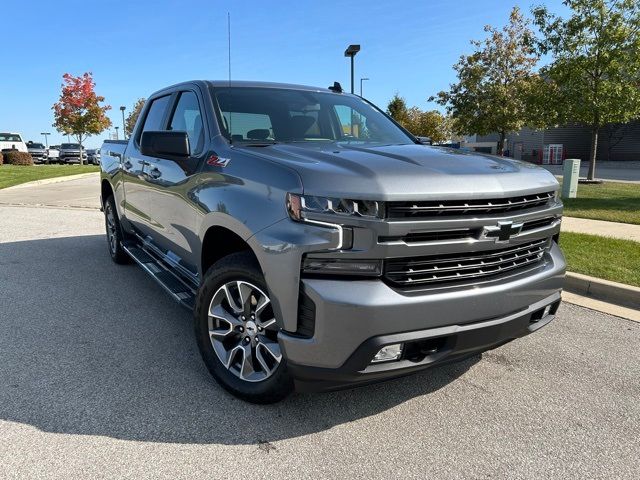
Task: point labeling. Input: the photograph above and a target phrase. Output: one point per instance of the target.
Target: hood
(406, 172)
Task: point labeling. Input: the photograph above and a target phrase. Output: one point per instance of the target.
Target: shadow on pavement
(89, 347)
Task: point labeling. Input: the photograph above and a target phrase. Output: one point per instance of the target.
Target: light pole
(362, 80)
(351, 52)
(124, 127)
(117, 132)
(45, 134)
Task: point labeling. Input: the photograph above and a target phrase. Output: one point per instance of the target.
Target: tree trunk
(501, 143)
(80, 142)
(592, 154)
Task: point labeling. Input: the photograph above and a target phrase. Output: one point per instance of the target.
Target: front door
(136, 205)
(168, 183)
(552, 154)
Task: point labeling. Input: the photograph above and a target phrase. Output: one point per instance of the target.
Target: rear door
(168, 184)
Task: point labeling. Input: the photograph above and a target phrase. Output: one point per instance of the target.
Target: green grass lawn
(608, 258)
(11, 175)
(610, 201)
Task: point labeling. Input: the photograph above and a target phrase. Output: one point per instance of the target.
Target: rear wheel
(114, 232)
(237, 332)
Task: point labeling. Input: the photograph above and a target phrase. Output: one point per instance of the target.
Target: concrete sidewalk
(626, 172)
(623, 231)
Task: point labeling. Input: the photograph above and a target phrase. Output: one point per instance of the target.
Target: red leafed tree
(78, 112)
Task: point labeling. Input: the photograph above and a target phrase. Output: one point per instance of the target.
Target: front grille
(460, 234)
(466, 207)
(459, 268)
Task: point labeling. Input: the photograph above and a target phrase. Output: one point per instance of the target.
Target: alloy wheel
(243, 331)
(112, 236)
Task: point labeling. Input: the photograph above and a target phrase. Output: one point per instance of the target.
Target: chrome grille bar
(448, 268)
(461, 207)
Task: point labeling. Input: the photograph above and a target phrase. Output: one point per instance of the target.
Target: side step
(179, 289)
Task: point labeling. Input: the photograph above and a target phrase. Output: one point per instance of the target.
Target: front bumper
(438, 345)
(355, 318)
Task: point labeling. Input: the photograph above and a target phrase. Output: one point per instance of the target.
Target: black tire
(114, 233)
(241, 266)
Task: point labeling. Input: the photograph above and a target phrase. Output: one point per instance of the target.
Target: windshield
(10, 137)
(270, 115)
(36, 145)
(70, 146)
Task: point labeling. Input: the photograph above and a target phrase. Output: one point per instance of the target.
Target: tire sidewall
(119, 256)
(233, 268)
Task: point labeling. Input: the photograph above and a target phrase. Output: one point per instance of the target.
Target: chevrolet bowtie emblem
(503, 231)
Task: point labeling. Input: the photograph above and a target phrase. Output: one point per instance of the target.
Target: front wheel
(237, 332)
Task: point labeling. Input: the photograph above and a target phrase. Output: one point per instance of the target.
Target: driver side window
(188, 118)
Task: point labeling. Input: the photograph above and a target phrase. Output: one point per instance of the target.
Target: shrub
(1, 158)
(14, 157)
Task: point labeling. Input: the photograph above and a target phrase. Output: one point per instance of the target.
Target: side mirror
(165, 144)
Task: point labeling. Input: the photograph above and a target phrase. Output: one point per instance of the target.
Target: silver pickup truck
(322, 246)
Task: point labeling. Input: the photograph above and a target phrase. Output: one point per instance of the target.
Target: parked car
(38, 152)
(70, 153)
(54, 154)
(93, 156)
(320, 245)
(12, 141)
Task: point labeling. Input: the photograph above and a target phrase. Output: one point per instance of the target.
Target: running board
(179, 290)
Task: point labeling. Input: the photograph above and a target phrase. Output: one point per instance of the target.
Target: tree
(132, 118)
(596, 63)
(78, 112)
(397, 108)
(430, 124)
(496, 84)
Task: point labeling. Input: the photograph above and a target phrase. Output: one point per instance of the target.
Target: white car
(54, 154)
(12, 141)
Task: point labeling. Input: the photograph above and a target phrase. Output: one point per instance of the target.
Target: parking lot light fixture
(351, 51)
(362, 80)
(117, 132)
(124, 126)
(45, 135)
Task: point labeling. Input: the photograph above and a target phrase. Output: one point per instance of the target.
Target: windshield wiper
(252, 143)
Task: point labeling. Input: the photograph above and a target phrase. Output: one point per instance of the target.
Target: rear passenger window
(156, 113)
(187, 118)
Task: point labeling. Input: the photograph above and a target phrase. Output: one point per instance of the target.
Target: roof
(247, 84)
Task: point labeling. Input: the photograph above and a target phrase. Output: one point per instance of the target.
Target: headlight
(297, 205)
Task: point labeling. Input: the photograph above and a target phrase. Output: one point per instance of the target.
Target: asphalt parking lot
(100, 377)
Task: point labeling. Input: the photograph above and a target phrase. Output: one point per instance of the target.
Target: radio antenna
(229, 56)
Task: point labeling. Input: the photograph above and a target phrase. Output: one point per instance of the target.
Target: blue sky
(136, 47)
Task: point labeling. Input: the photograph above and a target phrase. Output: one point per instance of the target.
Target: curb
(612, 292)
(46, 181)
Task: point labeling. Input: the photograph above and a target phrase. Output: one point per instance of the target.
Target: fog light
(388, 353)
(546, 311)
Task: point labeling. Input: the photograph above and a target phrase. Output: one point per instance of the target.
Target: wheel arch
(218, 242)
(105, 191)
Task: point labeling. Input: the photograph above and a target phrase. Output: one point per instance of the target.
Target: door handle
(155, 173)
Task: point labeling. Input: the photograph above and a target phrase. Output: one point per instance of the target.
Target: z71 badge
(216, 161)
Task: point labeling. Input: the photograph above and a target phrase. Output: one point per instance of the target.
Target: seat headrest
(258, 134)
(300, 124)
